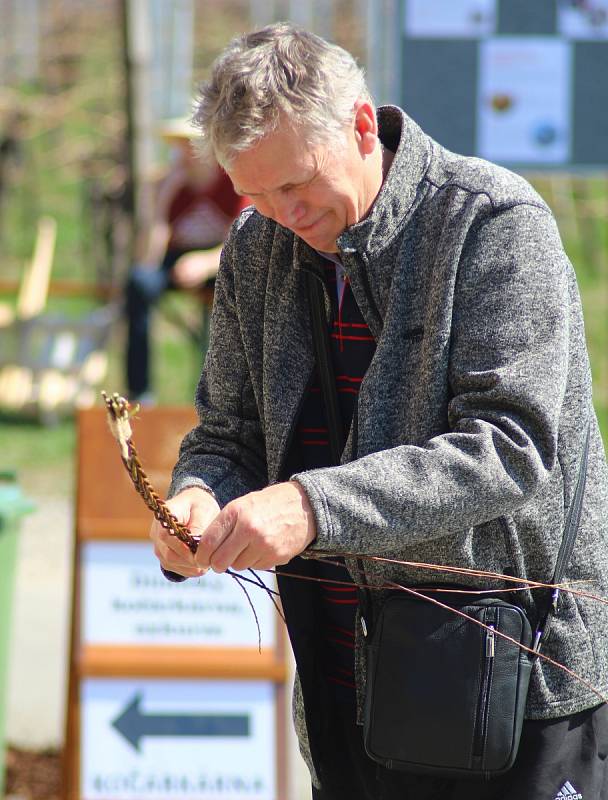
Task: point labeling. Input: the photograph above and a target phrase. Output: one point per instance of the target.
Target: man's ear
(366, 127)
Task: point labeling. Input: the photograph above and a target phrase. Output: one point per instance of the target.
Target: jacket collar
(399, 194)
(361, 245)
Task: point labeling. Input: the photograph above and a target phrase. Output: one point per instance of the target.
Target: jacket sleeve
(225, 451)
(507, 373)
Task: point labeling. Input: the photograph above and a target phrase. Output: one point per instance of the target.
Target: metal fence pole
(301, 13)
(262, 12)
(140, 47)
(383, 48)
(22, 38)
(324, 18)
(182, 58)
(172, 25)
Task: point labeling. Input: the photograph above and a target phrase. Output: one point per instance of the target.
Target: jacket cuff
(318, 503)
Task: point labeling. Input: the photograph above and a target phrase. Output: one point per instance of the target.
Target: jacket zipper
(295, 417)
(491, 620)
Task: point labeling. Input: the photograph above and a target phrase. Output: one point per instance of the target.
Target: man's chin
(322, 241)
(323, 245)
(318, 236)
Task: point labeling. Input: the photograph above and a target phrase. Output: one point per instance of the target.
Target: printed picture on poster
(583, 19)
(449, 18)
(524, 100)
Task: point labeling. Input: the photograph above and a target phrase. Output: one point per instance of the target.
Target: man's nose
(288, 211)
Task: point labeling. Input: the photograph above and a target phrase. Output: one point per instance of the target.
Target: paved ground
(38, 667)
(37, 680)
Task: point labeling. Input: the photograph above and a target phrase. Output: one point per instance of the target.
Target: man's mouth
(308, 228)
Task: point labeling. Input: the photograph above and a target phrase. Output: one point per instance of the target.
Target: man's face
(315, 191)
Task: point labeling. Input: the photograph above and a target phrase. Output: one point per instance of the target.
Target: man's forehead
(268, 167)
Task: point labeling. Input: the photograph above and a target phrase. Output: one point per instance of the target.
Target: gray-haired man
(463, 382)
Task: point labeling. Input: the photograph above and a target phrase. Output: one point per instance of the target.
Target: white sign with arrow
(198, 739)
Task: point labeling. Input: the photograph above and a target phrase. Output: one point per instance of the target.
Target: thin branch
(238, 579)
(119, 413)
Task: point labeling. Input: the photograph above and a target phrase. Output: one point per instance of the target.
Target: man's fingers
(194, 508)
(180, 563)
(171, 552)
(161, 535)
(234, 552)
(215, 533)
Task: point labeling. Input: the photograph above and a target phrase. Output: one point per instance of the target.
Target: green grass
(176, 360)
(43, 458)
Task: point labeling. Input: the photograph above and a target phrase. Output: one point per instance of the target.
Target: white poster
(583, 20)
(125, 599)
(524, 100)
(200, 740)
(449, 18)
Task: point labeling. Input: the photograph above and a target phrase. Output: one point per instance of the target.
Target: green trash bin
(13, 505)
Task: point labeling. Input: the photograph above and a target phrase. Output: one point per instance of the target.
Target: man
(463, 385)
(195, 208)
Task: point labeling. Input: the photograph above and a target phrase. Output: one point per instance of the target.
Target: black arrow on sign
(134, 725)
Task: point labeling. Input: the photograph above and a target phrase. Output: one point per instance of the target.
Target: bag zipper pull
(490, 642)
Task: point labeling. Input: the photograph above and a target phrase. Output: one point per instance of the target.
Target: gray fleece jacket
(472, 415)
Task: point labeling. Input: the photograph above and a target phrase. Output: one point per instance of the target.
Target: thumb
(180, 508)
(201, 514)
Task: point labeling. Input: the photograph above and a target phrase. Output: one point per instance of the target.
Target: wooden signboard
(172, 691)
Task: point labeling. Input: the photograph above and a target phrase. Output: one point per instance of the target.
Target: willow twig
(119, 415)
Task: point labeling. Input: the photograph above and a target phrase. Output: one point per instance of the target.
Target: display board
(174, 690)
(520, 83)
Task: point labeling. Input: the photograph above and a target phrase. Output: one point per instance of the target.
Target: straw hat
(178, 128)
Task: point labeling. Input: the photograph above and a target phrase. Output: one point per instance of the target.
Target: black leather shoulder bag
(447, 681)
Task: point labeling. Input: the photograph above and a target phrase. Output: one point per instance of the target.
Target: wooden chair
(36, 277)
(51, 365)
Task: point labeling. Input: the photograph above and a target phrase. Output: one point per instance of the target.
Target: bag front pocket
(444, 695)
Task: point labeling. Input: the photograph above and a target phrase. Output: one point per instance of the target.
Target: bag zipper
(491, 620)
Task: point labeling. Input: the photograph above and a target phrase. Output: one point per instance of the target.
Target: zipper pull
(364, 626)
(490, 642)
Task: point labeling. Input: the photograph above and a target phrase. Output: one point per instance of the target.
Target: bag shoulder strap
(329, 391)
(325, 366)
(567, 545)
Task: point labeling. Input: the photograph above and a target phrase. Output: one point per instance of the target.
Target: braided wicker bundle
(119, 419)
(119, 414)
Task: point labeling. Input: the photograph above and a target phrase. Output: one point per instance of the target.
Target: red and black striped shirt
(353, 347)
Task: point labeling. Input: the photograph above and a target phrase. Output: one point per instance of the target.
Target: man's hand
(195, 508)
(260, 530)
(195, 268)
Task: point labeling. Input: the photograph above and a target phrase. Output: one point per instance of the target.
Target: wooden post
(166, 680)
(37, 276)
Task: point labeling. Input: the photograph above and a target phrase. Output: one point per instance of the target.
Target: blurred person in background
(12, 131)
(195, 206)
(464, 388)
